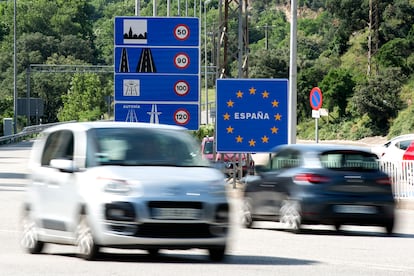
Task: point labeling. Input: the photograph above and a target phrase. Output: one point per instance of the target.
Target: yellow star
(274, 129)
(252, 143)
(275, 103)
(239, 94)
(230, 129)
(265, 139)
(226, 116)
(230, 103)
(278, 117)
(252, 91)
(239, 139)
(265, 94)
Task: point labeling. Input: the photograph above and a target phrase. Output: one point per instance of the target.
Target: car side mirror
(64, 165)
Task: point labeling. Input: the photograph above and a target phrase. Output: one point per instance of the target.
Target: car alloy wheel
(290, 215)
(29, 238)
(87, 249)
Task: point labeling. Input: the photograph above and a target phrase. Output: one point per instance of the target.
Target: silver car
(123, 185)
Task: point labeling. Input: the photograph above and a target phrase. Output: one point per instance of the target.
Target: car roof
(84, 126)
(400, 137)
(321, 147)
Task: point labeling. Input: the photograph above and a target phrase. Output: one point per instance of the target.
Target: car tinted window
(59, 145)
(285, 159)
(349, 160)
(135, 146)
(403, 145)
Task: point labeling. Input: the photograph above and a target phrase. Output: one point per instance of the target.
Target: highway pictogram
(146, 62)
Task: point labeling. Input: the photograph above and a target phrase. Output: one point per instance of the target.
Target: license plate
(355, 209)
(176, 213)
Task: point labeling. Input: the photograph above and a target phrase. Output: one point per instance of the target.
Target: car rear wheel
(87, 248)
(247, 218)
(389, 227)
(29, 238)
(290, 215)
(217, 254)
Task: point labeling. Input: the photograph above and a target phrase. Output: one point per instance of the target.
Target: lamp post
(14, 71)
(206, 2)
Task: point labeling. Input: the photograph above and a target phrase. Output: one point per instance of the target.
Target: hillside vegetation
(333, 44)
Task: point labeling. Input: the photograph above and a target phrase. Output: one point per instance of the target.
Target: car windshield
(144, 147)
(349, 160)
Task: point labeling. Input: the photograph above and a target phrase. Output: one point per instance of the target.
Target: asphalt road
(265, 250)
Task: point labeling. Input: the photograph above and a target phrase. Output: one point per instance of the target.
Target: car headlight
(115, 186)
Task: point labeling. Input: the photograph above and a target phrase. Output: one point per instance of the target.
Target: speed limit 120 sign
(182, 116)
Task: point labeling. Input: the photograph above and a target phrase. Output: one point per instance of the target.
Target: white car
(397, 149)
(123, 185)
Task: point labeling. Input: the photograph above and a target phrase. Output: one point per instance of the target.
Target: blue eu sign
(252, 114)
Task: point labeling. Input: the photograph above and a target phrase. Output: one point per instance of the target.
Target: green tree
(337, 87)
(84, 100)
(379, 99)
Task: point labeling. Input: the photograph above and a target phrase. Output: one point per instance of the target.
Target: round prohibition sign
(181, 60)
(181, 88)
(182, 116)
(315, 98)
(181, 32)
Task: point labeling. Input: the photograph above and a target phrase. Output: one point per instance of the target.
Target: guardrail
(27, 132)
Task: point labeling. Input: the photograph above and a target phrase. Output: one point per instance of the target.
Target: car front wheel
(87, 248)
(29, 238)
(290, 215)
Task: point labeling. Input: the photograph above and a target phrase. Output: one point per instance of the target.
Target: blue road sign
(185, 115)
(252, 114)
(157, 31)
(162, 60)
(157, 87)
(157, 65)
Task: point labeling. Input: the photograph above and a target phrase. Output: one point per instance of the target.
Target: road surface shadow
(194, 259)
(340, 232)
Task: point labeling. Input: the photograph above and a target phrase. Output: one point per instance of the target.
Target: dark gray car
(320, 184)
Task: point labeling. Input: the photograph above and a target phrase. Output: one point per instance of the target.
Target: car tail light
(384, 181)
(310, 177)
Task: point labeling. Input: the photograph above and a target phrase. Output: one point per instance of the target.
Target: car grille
(179, 230)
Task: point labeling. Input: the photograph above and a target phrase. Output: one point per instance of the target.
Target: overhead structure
(232, 44)
(373, 39)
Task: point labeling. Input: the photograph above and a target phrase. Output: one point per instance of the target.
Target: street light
(14, 72)
(206, 2)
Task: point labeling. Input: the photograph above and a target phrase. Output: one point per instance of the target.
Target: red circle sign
(181, 32)
(181, 116)
(315, 98)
